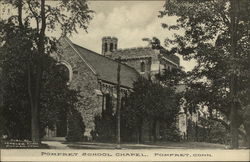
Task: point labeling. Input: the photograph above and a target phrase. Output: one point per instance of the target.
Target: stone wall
(136, 64)
(85, 80)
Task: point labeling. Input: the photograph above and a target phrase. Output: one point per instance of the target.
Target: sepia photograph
(125, 80)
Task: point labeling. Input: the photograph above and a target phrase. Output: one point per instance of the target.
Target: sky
(129, 21)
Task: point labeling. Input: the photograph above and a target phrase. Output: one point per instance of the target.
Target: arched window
(142, 67)
(111, 47)
(64, 72)
(115, 46)
(67, 71)
(105, 47)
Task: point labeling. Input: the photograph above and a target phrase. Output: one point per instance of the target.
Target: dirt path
(56, 145)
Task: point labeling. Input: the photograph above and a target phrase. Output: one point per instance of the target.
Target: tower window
(105, 47)
(111, 47)
(115, 46)
(142, 67)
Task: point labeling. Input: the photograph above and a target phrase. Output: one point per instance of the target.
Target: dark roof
(141, 52)
(106, 68)
(133, 52)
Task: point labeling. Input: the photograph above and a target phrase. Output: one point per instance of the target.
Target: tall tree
(2, 119)
(216, 34)
(67, 15)
(56, 97)
(150, 101)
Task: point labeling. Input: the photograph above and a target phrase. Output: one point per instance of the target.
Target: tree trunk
(139, 131)
(35, 98)
(234, 128)
(196, 132)
(154, 130)
(35, 136)
(150, 131)
(35, 107)
(247, 129)
(233, 83)
(1, 88)
(20, 13)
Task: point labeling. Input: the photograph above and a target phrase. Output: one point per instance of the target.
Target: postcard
(124, 80)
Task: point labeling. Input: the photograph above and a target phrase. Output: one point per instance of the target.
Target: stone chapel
(95, 75)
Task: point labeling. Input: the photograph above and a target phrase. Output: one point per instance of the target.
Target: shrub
(2, 122)
(170, 132)
(210, 131)
(76, 127)
(105, 127)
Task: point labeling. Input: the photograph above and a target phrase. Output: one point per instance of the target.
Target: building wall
(109, 44)
(136, 64)
(85, 80)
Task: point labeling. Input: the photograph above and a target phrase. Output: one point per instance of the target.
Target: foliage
(212, 131)
(15, 98)
(76, 126)
(56, 97)
(149, 101)
(246, 123)
(2, 118)
(170, 132)
(67, 15)
(105, 127)
(171, 77)
(209, 27)
(2, 122)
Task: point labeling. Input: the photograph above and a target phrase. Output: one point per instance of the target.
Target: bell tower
(109, 45)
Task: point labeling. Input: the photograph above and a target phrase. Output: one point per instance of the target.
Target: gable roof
(106, 68)
(77, 52)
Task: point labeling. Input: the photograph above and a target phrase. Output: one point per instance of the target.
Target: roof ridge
(78, 53)
(132, 48)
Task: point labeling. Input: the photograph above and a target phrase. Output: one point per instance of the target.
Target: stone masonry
(83, 79)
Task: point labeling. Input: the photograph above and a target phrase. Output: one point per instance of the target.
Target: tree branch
(34, 14)
(20, 13)
(43, 18)
(29, 84)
